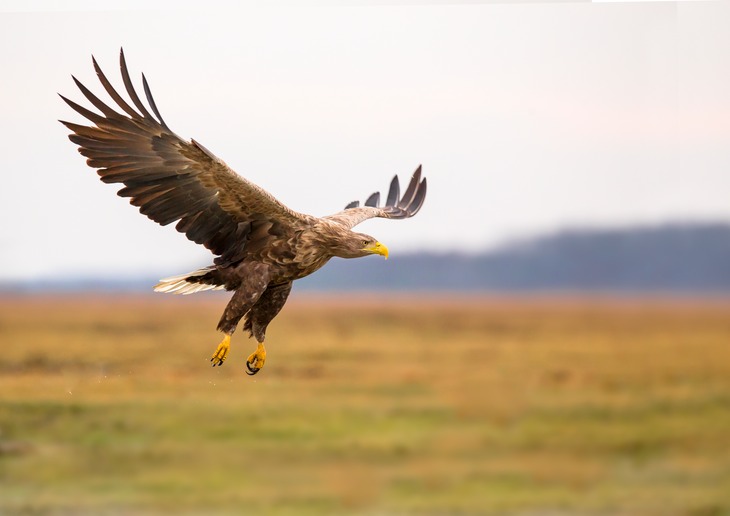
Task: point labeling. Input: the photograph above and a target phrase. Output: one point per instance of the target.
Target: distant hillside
(673, 258)
(670, 258)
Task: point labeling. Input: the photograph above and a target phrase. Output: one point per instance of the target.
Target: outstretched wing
(170, 179)
(396, 207)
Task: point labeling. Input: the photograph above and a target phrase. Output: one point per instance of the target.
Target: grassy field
(108, 405)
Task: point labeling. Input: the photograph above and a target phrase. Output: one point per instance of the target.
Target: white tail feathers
(181, 285)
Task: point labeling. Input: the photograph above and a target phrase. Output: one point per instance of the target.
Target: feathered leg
(261, 314)
(244, 298)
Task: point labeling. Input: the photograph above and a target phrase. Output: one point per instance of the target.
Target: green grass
(400, 407)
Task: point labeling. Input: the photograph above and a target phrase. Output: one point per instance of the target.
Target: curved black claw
(252, 370)
(221, 351)
(256, 360)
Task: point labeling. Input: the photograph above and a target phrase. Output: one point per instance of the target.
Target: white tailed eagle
(260, 245)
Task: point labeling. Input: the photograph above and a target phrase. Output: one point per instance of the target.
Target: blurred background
(529, 119)
(549, 336)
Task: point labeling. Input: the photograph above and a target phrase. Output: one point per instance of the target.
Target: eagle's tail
(189, 283)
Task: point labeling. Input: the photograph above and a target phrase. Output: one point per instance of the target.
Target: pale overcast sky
(527, 117)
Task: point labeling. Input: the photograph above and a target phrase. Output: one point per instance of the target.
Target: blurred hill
(672, 258)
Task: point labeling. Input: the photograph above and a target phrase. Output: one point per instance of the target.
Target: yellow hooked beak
(377, 248)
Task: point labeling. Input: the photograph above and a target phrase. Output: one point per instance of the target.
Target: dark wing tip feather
(353, 204)
(393, 192)
(90, 115)
(418, 198)
(405, 201)
(151, 100)
(112, 92)
(130, 88)
(95, 101)
(373, 200)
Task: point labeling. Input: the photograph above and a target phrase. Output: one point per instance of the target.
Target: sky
(528, 117)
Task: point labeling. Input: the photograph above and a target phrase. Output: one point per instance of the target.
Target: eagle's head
(355, 245)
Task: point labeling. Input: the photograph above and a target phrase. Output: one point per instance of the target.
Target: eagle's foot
(256, 360)
(221, 351)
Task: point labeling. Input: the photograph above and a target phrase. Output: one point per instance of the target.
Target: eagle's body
(261, 246)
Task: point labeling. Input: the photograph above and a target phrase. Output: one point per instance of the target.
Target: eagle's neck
(330, 239)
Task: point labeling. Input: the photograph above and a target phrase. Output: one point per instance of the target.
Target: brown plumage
(260, 245)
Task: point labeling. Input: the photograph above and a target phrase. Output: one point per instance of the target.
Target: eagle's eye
(365, 242)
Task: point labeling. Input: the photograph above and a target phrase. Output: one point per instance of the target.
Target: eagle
(260, 245)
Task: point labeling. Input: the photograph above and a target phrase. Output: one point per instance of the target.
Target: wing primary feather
(130, 88)
(98, 104)
(418, 199)
(82, 130)
(411, 190)
(373, 200)
(94, 117)
(353, 204)
(393, 192)
(148, 94)
(112, 92)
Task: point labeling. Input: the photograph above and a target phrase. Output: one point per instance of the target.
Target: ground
(367, 405)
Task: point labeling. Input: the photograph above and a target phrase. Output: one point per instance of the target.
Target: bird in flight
(260, 245)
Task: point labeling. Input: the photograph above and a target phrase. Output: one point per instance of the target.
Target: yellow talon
(256, 360)
(221, 351)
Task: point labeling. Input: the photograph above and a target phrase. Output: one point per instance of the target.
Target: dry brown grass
(366, 405)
